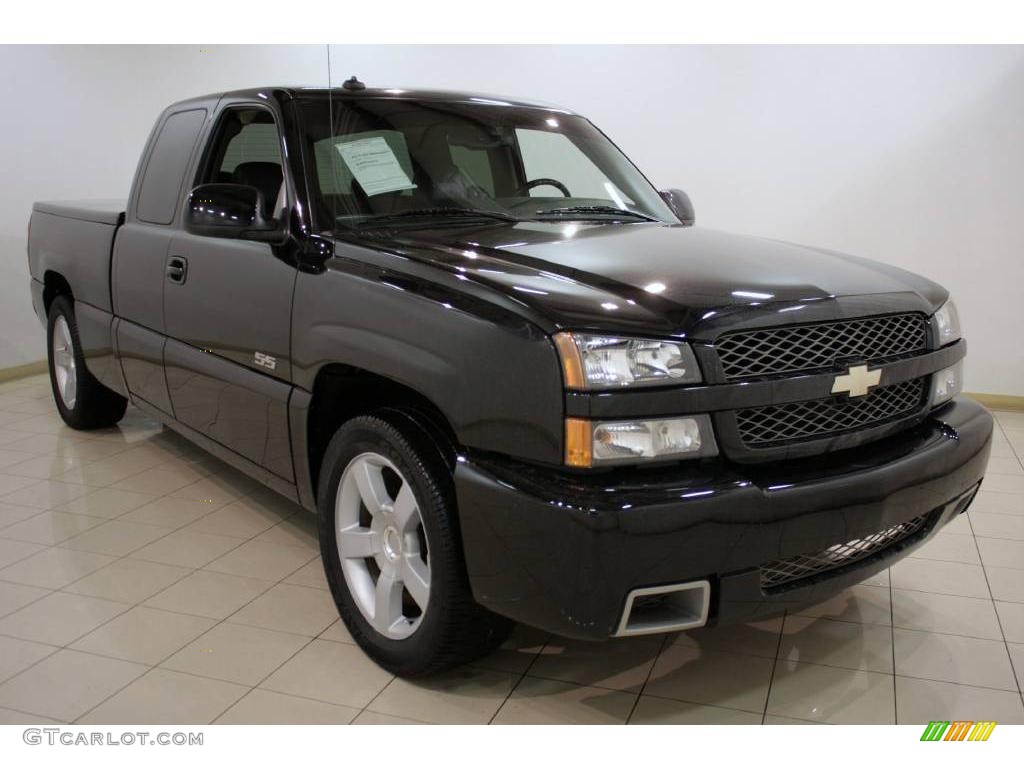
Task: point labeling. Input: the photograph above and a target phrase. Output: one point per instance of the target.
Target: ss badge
(265, 361)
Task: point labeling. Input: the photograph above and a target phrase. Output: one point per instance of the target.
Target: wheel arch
(54, 285)
(341, 392)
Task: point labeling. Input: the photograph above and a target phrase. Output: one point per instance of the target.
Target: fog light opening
(668, 608)
(961, 504)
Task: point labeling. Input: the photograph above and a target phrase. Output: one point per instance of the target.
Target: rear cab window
(165, 170)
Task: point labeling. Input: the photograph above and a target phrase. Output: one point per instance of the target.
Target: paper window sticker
(374, 165)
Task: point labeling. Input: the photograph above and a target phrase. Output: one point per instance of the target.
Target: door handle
(177, 269)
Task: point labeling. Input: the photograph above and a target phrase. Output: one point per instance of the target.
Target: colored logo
(958, 730)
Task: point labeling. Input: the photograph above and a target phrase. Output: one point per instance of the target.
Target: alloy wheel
(382, 545)
(64, 367)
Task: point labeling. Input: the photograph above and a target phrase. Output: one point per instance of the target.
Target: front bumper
(561, 551)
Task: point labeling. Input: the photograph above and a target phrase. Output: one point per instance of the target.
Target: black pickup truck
(512, 379)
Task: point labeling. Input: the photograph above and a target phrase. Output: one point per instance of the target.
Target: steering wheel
(525, 188)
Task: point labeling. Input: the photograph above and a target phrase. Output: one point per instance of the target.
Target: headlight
(947, 383)
(610, 362)
(594, 443)
(947, 324)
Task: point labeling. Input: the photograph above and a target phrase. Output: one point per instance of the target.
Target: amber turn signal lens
(579, 443)
(572, 364)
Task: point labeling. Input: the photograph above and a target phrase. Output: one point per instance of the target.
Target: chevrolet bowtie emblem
(857, 381)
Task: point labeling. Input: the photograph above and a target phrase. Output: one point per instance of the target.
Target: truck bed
(109, 212)
(75, 239)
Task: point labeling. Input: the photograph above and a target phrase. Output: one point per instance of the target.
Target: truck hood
(669, 279)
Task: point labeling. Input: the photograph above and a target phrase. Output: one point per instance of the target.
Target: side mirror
(231, 211)
(680, 204)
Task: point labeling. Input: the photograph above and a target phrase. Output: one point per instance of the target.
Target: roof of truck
(299, 91)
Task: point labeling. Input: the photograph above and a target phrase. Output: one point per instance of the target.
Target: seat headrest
(266, 177)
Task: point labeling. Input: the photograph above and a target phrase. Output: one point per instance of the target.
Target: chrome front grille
(801, 348)
(772, 425)
(785, 573)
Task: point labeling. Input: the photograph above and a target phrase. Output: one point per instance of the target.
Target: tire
(436, 629)
(82, 401)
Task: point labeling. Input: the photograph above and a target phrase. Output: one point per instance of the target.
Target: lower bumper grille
(779, 573)
(779, 424)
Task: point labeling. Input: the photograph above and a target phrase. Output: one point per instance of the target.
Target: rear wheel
(82, 401)
(391, 550)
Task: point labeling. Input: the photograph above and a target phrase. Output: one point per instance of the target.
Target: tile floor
(143, 581)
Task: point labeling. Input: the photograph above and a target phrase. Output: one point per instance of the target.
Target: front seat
(266, 177)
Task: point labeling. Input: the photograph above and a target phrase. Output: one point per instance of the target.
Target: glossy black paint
(59, 234)
(561, 551)
(139, 253)
(680, 204)
(230, 457)
(141, 352)
(493, 375)
(231, 211)
(670, 280)
(461, 315)
(72, 244)
(96, 335)
(248, 414)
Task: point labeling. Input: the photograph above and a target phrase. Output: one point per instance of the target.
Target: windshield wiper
(438, 212)
(598, 209)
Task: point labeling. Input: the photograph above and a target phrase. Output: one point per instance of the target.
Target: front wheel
(392, 553)
(82, 401)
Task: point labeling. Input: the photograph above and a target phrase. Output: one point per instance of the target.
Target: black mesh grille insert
(784, 572)
(774, 351)
(775, 424)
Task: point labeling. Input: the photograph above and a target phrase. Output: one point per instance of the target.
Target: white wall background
(909, 155)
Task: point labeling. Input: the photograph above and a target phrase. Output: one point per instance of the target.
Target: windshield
(388, 161)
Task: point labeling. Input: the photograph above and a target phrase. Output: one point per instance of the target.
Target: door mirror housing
(680, 204)
(231, 211)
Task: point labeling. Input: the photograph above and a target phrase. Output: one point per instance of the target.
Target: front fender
(493, 375)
